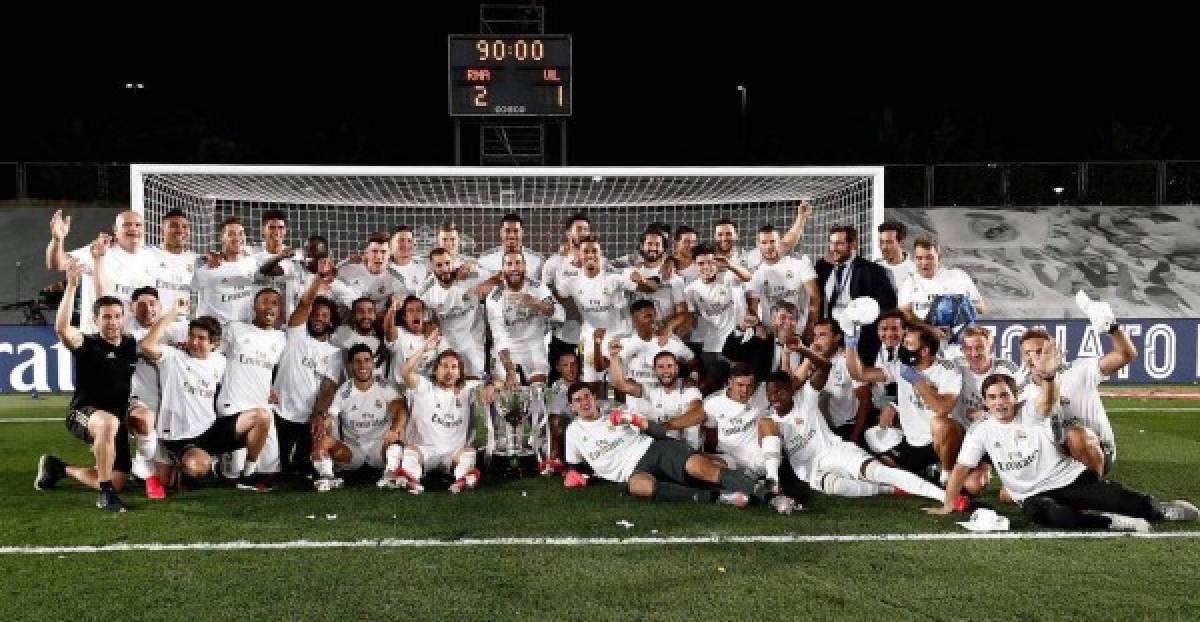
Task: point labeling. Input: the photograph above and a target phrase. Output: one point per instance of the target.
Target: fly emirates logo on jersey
(738, 424)
(605, 446)
(204, 389)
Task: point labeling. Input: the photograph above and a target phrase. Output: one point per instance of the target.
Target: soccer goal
(346, 204)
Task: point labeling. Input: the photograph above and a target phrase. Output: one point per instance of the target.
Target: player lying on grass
(627, 448)
(1054, 489)
(820, 458)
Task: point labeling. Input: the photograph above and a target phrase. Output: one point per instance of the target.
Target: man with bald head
(129, 262)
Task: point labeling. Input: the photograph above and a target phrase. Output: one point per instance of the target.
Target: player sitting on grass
(188, 427)
(370, 424)
(627, 448)
(1054, 489)
(443, 427)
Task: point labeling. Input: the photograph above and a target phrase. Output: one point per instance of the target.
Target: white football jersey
(362, 416)
(782, 281)
(125, 272)
(227, 291)
(456, 309)
(661, 404)
(919, 291)
(804, 432)
(736, 423)
(346, 337)
(837, 400)
(613, 452)
(282, 282)
(718, 306)
(252, 354)
(304, 363)
(1079, 397)
(173, 276)
(915, 416)
(493, 261)
(378, 287)
(145, 385)
(1022, 451)
(406, 345)
(637, 355)
(669, 294)
(600, 299)
(297, 278)
(971, 397)
(411, 274)
(440, 416)
(898, 273)
(188, 386)
(557, 270)
(516, 326)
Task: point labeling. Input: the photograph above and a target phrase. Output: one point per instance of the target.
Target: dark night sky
(655, 83)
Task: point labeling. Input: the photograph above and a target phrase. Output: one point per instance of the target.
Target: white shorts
(748, 459)
(361, 456)
(530, 357)
(434, 457)
(842, 459)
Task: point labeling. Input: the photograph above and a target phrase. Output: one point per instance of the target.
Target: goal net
(346, 204)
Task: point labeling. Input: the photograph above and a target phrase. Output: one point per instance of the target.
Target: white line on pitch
(392, 543)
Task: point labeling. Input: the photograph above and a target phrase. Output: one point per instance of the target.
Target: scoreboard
(510, 75)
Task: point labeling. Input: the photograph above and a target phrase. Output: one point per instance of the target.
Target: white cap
(984, 519)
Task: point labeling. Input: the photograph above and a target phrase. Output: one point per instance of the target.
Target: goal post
(347, 203)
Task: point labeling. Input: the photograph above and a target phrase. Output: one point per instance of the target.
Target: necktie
(837, 289)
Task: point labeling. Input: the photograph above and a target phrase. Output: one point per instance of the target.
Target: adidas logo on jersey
(110, 355)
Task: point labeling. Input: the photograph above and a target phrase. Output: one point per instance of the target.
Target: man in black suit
(850, 276)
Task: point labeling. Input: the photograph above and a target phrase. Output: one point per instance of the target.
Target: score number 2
(481, 97)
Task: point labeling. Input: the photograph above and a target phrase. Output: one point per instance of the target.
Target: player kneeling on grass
(188, 426)
(627, 448)
(1054, 489)
(370, 429)
(819, 457)
(442, 423)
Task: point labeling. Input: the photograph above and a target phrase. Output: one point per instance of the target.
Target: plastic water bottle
(33, 394)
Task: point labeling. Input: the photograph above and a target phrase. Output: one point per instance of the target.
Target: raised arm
(56, 256)
(408, 371)
(304, 307)
(98, 249)
(67, 334)
(1122, 354)
(793, 235)
(855, 366)
(1047, 365)
(390, 332)
(150, 345)
(616, 373)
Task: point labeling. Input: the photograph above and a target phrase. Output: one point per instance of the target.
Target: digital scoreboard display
(509, 75)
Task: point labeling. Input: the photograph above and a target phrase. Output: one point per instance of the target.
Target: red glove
(622, 417)
(574, 479)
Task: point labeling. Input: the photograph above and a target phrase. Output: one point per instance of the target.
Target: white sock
(147, 445)
(250, 469)
(832, 484)
(466, 462)
(412, 463)
(324, 467)
(394, 455)
(878, 472)
(772, 447)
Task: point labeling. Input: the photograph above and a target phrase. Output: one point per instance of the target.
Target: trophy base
(514, 464)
